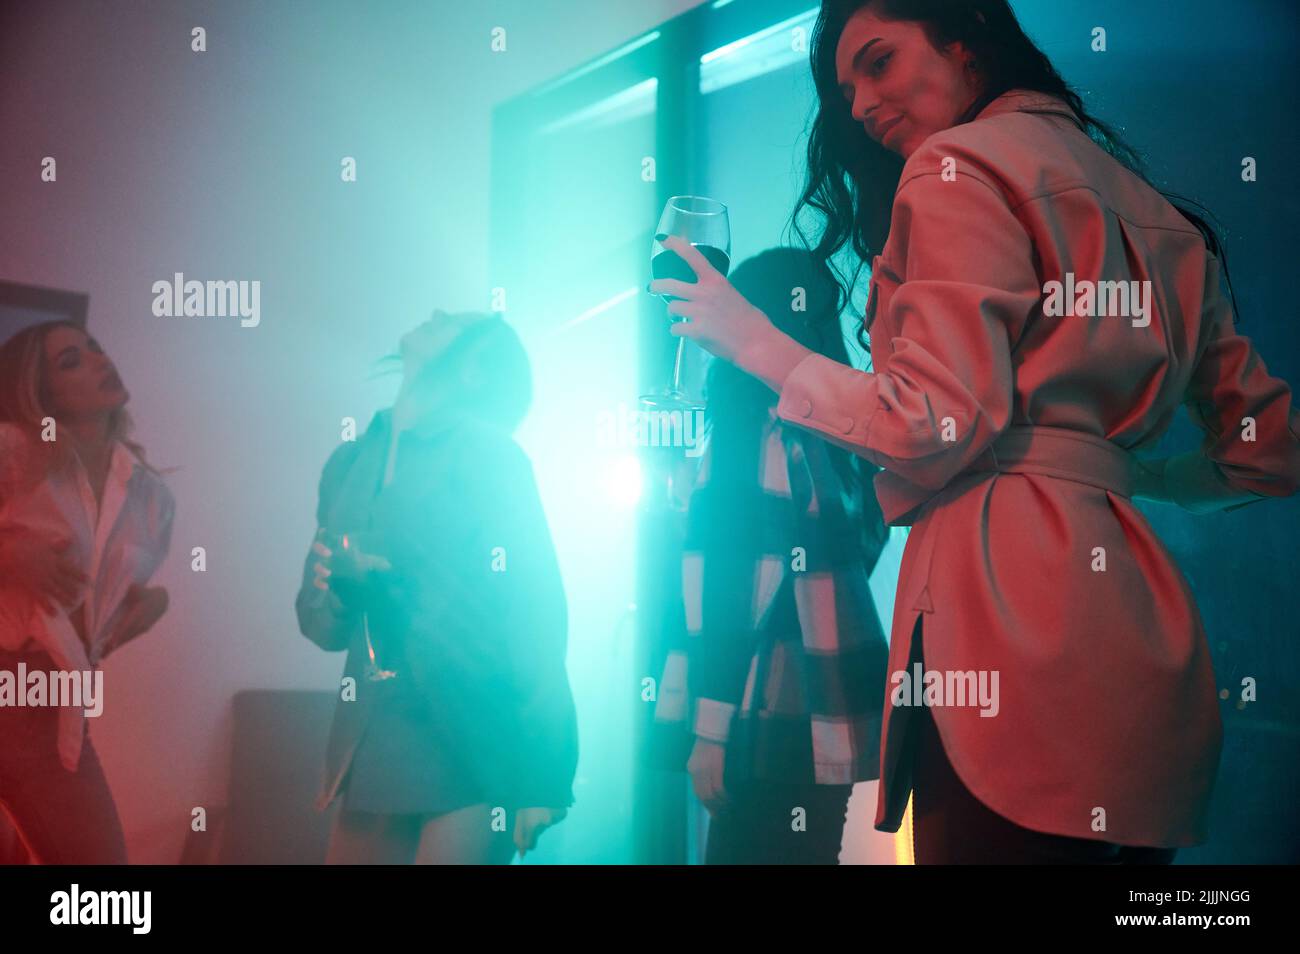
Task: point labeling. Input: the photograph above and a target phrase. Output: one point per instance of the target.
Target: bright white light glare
(600, 309)
(767, 50)
(596, 64)
(623, 480)
(621, 107)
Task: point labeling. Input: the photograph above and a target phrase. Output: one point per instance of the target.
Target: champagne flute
(702, 222)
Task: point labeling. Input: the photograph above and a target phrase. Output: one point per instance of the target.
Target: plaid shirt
(784, 657)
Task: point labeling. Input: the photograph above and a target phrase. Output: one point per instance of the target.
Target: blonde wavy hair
(24, 398)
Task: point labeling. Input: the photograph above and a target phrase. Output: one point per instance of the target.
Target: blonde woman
(84, 523)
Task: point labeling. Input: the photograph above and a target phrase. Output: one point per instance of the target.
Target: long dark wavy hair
(852, 178)
(738, 403)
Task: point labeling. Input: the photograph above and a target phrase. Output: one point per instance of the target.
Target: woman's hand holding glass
(344, 569)
(718, 317)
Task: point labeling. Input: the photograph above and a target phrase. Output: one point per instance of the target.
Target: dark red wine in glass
(671, 265)
(703, 223)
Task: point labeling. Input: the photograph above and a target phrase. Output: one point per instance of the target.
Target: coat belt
(1024, 449)
(1061, 452)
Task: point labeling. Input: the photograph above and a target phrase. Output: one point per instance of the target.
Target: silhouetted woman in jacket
(455, 738)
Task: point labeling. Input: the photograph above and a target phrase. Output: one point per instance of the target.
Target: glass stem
(677, 366)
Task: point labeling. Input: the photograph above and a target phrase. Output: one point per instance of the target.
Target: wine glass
(359, 562)
(702, 222)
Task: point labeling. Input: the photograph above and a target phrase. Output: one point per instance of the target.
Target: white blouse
(117, 543)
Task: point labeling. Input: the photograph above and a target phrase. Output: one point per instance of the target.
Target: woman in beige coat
(1037, 313)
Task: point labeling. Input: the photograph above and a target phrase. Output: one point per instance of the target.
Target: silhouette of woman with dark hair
(785, 658)
(455, 737)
